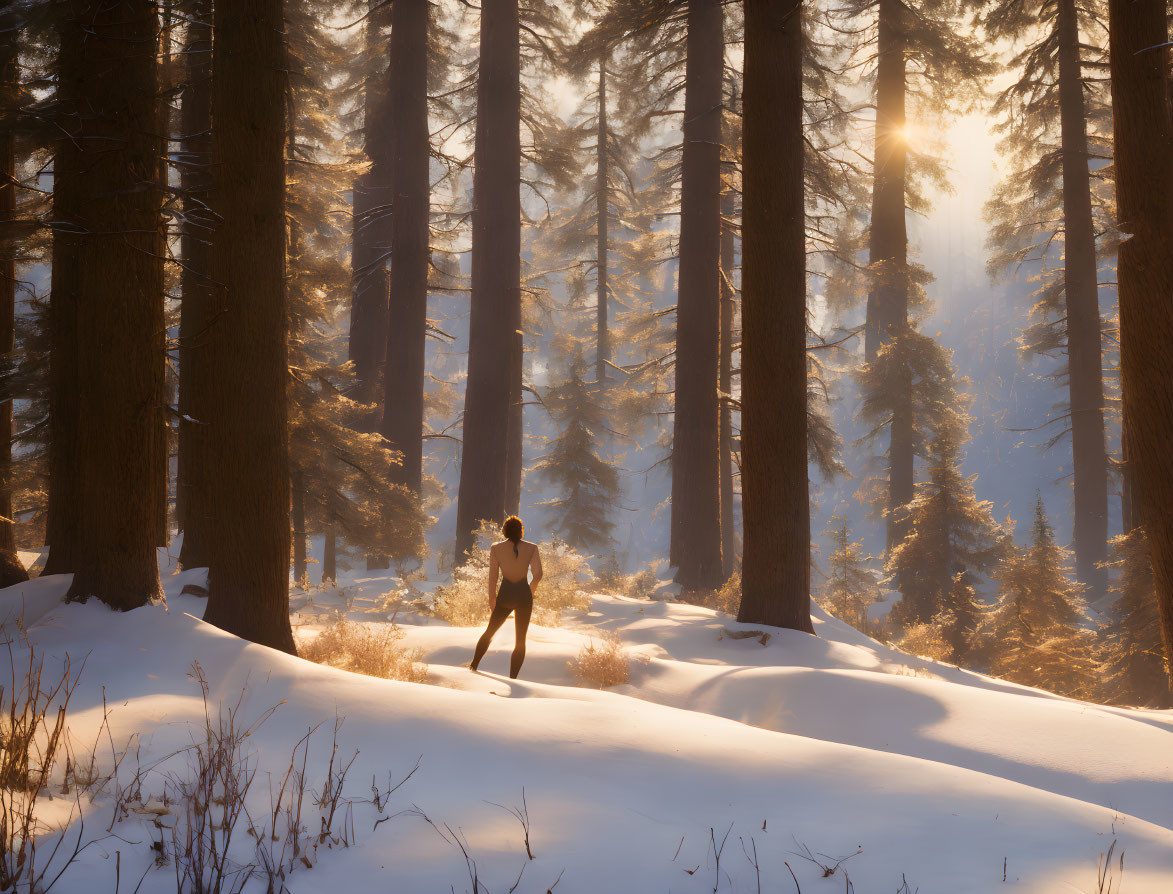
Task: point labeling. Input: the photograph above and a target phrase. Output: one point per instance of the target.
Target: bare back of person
(514, 568)
(510, 561)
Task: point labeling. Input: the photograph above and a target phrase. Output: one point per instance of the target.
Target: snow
(911, 769)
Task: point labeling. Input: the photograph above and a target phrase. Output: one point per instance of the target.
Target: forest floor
(829, 763)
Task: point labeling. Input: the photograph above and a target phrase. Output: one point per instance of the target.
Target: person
(512, 558)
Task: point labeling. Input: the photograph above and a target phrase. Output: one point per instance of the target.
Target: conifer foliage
(851, 585)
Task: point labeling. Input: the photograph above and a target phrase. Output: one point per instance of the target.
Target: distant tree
(196, 289)
(588, 485)
(1034, 635)
(107, 302)
(775, 502)
(850, 586)
(248, 444)
(950, 534)
(1055, 122)
(1135, 673)
(1138, 35)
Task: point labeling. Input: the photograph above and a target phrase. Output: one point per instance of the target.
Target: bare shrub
(927, 641)
(374, 650)
(726, 600)
(602, 664)
(465, 602)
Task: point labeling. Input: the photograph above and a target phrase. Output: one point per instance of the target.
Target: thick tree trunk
(602, 221)
(725, 382)
(330, 556)
(496, 274)
(161, 456)
(403, 406)
(297, 488)
(1143, 134)
(107, 220)
(1085, 374)
(371, 233)
(887, 311)
(514, 460)
(775, 501)
(196, 232)
(248, 440)
(696, 488)
(9, 103)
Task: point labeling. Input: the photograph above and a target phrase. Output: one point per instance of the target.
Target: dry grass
(601, 664)
(374, 650)
(726, 600)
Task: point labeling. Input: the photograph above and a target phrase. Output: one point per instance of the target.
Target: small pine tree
(589, 485)
(1136, 663)
(1034, 634)
(850, 586)
(951, 535)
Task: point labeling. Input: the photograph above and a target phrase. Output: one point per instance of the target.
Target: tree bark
(196, 233)
(160, 478)
(696, 489)
(330, 556)
(248, 439)
(403, 405)
(1081, 292)
(775, 500)
(514, 460)
(1143, 135)
(108, 220)
(725, 382)
(9, 102)
(602, 219)
(496, 274)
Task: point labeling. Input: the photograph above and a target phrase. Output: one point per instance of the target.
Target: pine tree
(107, 304)
(1055, 124)
(1034, 633)
(775, 502)
(588, 485)
(950, 533)
(1135, 673)
(248, 446)
(1138, 35)
(850, 586)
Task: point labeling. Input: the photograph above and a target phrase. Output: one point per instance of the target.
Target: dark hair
(512, 528)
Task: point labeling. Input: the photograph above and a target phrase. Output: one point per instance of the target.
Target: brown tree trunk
(248, 446)
(496, 274)
(725, 382)
(696, 488)
(403, 406)
(887, 311)
(1143, 135)
(9, 103)
(330, 555)
(161, 473)
(514, 460)
(1085, 374)
(775, 501)
(297, 488)
(107, 216)
(197, 295)
(371, 233)
(602, 221)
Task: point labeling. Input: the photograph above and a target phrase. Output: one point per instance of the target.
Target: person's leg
(521, 619)
(496, 619)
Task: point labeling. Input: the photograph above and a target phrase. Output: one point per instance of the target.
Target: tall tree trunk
(1085, 374)
(602, 218)
(330, 555)
(496, 274)
(248, 445)
(107, 220)
(725, 382)
(775, 500)
(403, 406)
(514, 459)
(887, 311)
(161, 456)
(196, 232)
(297, 488)
(696, 488)
(9, 103)
(371, 232)
(1143, 135)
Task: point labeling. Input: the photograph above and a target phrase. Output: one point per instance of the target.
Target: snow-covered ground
(804, 750)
